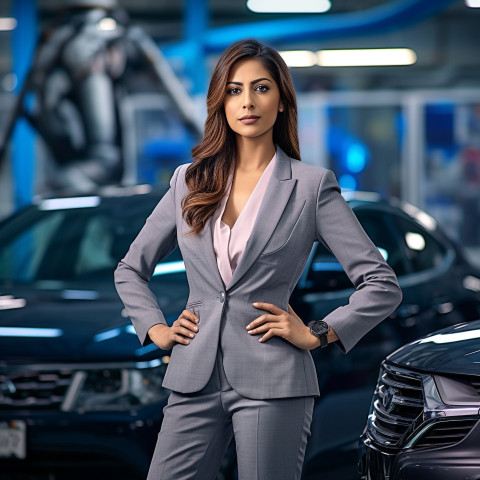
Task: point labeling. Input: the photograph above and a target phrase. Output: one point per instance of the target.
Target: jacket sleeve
(155, 241)
(377, 293)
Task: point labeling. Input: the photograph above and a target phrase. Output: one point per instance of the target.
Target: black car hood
(454, 349)
(69, 324)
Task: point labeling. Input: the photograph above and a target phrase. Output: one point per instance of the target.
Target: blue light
(107, 335)
(79, 295)
(156, 362)
(356, 158)
(144, 350)
(169, 267)
(327, 267)
(30, 332)
(347, 182)
(130, 329)
(383, 252)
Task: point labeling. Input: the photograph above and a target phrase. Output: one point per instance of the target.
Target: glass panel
(452, 169)
(326, 274)
(364, 147)
(21, 257)
(70, 244)
(424, 252)
(382, 232)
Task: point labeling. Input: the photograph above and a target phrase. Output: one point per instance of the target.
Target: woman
(245, 214)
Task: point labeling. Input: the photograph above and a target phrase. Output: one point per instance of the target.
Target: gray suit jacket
(302, 204)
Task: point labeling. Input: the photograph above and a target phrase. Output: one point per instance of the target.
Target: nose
(248, 101)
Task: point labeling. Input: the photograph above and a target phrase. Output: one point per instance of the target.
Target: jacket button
(222, 297)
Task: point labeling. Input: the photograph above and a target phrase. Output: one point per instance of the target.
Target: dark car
(79, 393)
(424, 422)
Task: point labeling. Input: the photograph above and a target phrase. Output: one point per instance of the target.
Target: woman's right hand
(182, 331)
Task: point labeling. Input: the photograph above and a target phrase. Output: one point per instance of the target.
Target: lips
(249, 119)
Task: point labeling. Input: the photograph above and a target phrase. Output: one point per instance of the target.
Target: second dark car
(79, 394)
(424, 422)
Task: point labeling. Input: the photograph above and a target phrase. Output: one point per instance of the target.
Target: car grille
(446, 433)
(33, 389)
(397, 406)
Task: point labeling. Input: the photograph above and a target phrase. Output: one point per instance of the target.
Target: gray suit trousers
(270, 435)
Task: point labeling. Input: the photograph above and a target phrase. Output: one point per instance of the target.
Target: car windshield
(69, 244)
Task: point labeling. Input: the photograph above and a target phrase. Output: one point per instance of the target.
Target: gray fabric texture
(270, 435)
(302, 204)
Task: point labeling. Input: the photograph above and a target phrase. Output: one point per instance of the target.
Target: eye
(233, 91)
(262, 88)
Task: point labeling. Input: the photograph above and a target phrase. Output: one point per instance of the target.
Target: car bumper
(70, 445)
(457, 462)
(373, 464)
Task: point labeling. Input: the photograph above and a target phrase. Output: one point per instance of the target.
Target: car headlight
(458, 389)
(116, 387)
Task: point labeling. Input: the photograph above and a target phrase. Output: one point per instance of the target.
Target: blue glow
(383, 252)
(107, 335)
(114, 332)
(79, 295)
(347, 182)
(327, 267)
(130, 329)
(151, 364)
(356, 158)
(169, 267)
(30, 332)
(144, 350)
(383, 17)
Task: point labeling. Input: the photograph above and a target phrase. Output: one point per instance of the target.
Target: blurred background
(401, 118)
(104, 98)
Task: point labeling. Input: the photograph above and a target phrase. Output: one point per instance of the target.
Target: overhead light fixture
(299, 58)
(289, 6)
(472, 3)
(366, 57)
(350, 58)
(8, 23)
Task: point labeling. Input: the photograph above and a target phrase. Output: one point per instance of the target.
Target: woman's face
(252, 99)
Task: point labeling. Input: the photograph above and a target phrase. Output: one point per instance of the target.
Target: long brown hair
(207, 176)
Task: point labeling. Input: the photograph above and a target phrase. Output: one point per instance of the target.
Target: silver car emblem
(387, 399)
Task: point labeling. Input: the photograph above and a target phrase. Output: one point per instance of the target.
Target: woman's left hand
(280, 323)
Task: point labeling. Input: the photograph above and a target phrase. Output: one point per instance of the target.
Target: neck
(254, 153)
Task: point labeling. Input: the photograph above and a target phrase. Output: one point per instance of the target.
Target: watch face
(320, 328)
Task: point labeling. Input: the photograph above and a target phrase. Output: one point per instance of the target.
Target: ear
(281, 107)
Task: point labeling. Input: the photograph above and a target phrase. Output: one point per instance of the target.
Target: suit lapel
(205, 238)
(277, 194)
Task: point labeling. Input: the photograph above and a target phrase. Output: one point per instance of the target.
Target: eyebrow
(253, 82)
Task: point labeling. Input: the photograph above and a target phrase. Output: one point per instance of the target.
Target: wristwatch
(319, 328)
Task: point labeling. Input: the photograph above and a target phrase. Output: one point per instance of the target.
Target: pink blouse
(229, 244)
